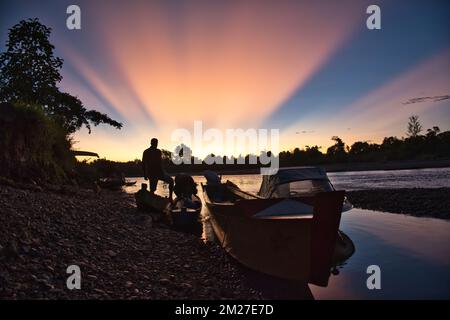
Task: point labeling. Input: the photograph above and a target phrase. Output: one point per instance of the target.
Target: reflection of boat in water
(289, 230)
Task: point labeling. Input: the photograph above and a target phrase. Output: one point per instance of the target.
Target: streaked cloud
(427, 99)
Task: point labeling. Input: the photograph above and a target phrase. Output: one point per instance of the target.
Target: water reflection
(411, 252)
(208, 234)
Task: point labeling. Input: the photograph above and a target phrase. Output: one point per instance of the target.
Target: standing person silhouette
(153, 170)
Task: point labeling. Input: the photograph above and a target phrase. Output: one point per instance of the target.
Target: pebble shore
(122, 253)
(417, 202)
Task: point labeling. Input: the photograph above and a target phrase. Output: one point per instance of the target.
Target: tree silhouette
(337, 151)
(359, 147)
(414, 126)
(29, 73)
(433, 132)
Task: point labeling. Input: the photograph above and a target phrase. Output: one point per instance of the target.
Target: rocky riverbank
(418, 202)
(122, 254)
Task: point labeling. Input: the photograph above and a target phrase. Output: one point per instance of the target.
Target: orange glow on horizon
(231, 68)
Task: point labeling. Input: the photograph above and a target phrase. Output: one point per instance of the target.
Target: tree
(414, 126)
(390, 143)
(359, 148)
(433, 132)
(313, 154)
(30, 73)
(29, 70)
(337, 151)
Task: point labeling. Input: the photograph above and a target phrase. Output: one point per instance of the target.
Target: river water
(413, 254)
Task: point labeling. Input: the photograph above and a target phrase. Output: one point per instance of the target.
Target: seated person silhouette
(186, 191)
(185, 187)
(153, 170)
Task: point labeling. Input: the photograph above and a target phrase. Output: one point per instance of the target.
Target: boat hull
(279, 247)
(302, 248)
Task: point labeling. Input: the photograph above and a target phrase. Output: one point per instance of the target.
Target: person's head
(154, 142)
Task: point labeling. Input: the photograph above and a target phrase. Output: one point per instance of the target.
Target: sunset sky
(309, 68)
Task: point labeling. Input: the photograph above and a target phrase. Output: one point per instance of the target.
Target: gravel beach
(417, 202)
(121, 253)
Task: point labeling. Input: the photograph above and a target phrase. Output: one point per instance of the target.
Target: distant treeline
(432, 145)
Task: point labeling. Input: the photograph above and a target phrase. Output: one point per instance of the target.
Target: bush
(34, 147)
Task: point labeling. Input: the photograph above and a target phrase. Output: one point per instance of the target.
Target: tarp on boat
(270, 183)
(286, 207)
